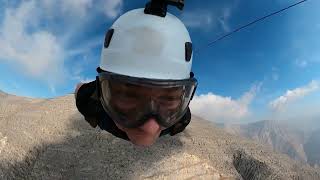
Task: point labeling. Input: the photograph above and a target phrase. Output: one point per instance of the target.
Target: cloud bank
(38, 53)
(29, 42)
(218, 108)
(218, 17)
(291, 96)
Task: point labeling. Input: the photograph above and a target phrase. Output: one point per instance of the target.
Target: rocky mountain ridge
(282, 138)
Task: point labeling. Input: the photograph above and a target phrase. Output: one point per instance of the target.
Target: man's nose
(151, 126)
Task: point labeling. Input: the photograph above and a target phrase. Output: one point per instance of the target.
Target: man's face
(148, 133)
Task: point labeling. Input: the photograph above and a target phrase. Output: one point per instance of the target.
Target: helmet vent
(188, 50)
(108, 38)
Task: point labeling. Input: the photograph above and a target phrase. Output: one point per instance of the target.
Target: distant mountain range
(297, 144)
(2, 94)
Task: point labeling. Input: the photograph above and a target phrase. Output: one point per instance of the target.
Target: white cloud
(83, 8)
(29, 42)
(80, 7)
(226, 13)
(87, 80)
(209, 19)
(112, 8)
(38, 53)
(86, 46)
(75, 7)
(199, 19)
(218, 108)
(292, 95)
(301, 63)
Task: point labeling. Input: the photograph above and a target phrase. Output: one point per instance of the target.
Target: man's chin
(143, 141)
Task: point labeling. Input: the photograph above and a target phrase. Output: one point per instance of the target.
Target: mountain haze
(299, 144)
(272, 133)
(312, 148)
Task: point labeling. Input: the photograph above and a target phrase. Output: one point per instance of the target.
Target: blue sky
(270, 70)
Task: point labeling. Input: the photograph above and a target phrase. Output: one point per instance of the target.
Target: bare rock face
(312, 148)
(49, 139)
(278, 136)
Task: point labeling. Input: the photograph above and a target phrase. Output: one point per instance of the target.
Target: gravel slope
(49, 139)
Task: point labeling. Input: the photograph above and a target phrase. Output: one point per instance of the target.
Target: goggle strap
(98, 87)
(194, 90)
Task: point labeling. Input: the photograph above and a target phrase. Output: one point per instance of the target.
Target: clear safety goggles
(132, 101)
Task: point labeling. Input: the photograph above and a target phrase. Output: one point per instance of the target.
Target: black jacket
(90, 107)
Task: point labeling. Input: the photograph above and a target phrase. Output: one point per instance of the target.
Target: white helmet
(148, 46)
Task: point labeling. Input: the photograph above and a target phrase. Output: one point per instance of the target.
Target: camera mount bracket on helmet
(159, 7)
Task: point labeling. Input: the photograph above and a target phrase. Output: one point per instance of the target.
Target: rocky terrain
(281, 137)
(49, 139)
(278, 136)
(312, 148)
